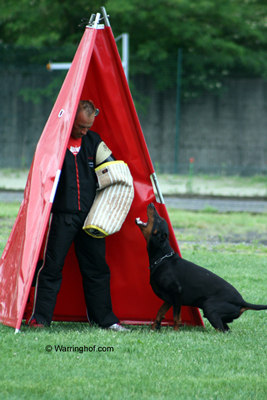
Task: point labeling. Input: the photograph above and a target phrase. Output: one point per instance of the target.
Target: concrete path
(218, 204)
(184, 203)
(11, 196)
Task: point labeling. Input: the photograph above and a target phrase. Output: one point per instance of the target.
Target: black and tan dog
(180, 282)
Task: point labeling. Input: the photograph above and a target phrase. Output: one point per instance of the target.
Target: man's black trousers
(64, 230)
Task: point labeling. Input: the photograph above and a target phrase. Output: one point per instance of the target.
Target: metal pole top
(105, 16)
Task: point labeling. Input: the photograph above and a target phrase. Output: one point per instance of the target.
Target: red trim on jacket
(74, 146)
(78, 184)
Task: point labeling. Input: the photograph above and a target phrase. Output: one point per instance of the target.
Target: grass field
(73, 361)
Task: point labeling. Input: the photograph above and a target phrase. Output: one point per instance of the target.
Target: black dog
(180, 282)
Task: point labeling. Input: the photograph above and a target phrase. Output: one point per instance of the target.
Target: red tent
(96, 73)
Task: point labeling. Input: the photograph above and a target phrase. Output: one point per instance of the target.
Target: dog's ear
(161, 236)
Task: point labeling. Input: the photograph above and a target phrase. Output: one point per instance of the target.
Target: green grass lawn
(193, 363)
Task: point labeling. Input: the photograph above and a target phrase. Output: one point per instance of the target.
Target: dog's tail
(250, 306)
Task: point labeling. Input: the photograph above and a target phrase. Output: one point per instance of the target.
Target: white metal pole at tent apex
(59, 66)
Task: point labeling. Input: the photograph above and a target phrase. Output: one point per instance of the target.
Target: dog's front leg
(177, 321)
(160, 315)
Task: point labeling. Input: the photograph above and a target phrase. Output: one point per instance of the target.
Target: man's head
(84, 119)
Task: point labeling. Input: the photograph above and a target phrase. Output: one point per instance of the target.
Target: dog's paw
(176, 326)
(156, 325)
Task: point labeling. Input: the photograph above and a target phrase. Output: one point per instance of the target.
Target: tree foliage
(218, 38)
(44, 22)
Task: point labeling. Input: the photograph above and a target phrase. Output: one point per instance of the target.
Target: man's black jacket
(77, 185)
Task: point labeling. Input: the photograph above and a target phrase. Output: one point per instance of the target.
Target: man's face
(81, 124)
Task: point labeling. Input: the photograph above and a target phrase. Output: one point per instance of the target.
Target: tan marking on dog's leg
(160, 315)
(177, 321)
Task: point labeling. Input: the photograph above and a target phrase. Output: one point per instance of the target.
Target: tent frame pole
(156, 183)
(96, 21)
(105, 16)
(93, 21)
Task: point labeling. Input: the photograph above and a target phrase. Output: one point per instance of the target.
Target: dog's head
(155, 230)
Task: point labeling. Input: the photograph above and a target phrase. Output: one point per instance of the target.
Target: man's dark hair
(87, 106)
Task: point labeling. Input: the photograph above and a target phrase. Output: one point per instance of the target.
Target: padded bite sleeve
(113, 199)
